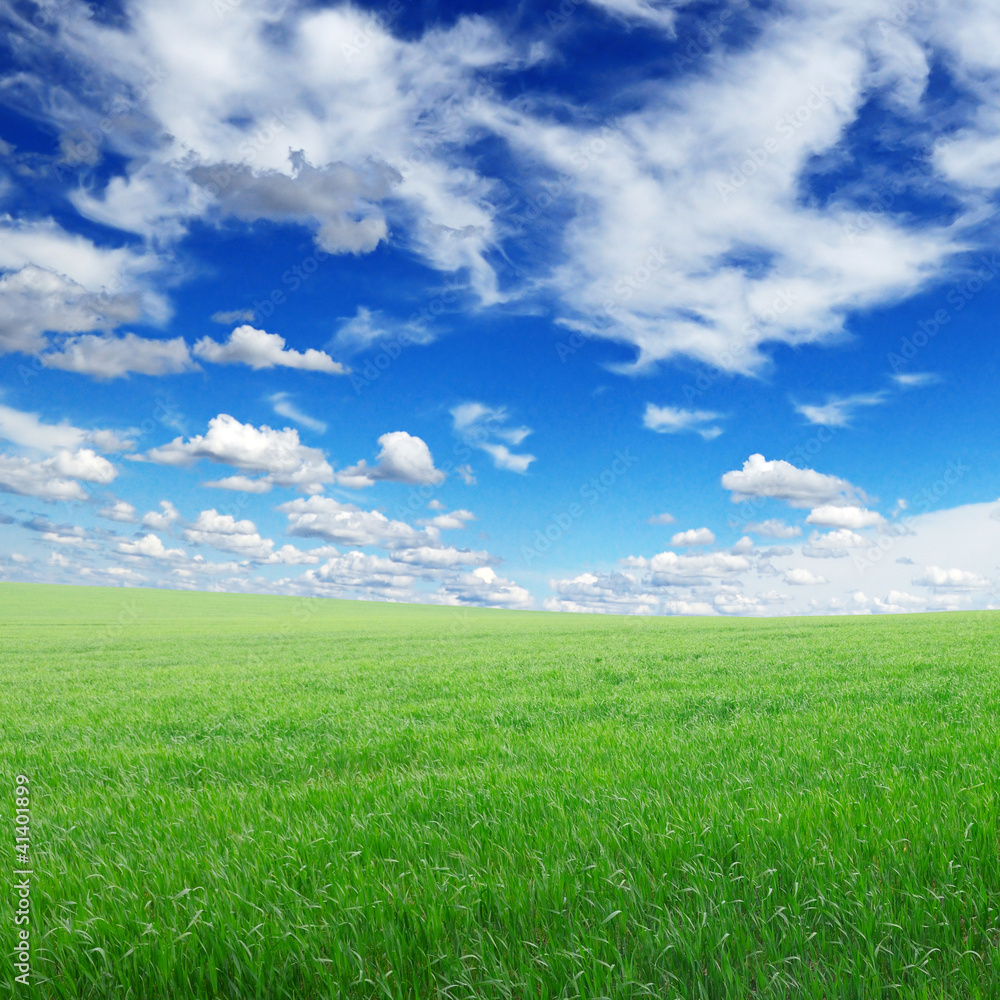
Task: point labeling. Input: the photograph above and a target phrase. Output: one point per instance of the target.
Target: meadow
(262, 797)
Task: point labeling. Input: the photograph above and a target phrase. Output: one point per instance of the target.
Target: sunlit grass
(250, 797)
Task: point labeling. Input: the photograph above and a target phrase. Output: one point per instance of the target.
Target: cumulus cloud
(347, 524)
(602, 593)
(369, 136)
(688, 235)
(224, 532)
(781, 480)
(834, 544)
(110, 357)
(950, 579)
(55, 478)
(150, 546)
(162, 519)
(482, 587)
(800, 577)
(402, 458)
(696, 536)
(258, 349)
(671, 420)
(773, 528)
(241, 484)
(670, 568)
(848, 516)
(58, 281)
(680, 607)
(451, 521)
(120, 510)
(29, 430)
(278, 454)
(335, 199)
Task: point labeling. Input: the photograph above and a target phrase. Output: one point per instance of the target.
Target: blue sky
(612, 306)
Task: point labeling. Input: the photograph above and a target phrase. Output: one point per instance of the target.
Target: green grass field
(257, 797)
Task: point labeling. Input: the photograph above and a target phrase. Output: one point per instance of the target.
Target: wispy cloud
(284, 407)
(838, 411)
(674, 420)
(480, 425)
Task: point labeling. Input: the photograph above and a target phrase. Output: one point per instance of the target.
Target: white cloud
(915, 380)
(346, 524)
(670, 568)
(950, 579)
(402, 458)
(258, 349)
(110, 357)
(837, 412)
(504, 458)
(368, 327)
(241, 484)
(228, 317)
(120, 510)
(150, 546)
(773, 528)
(800, 577)
(351, 573)
(671, 420)
(662, 519)
(445, 522)
(432, 558)
(278, 454)
(479, 425)
(29, 430)
(55, 478)
(483, 588)
(834, 544)
(688, 608)
(224, 532)
(59, 281)
(654, 12)
(783, 481)
(162, 519)
(831, 516)
(373, 119)
(602, 593)
(691, 230)
(284, 407)
(696, 536)
(690, 234)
